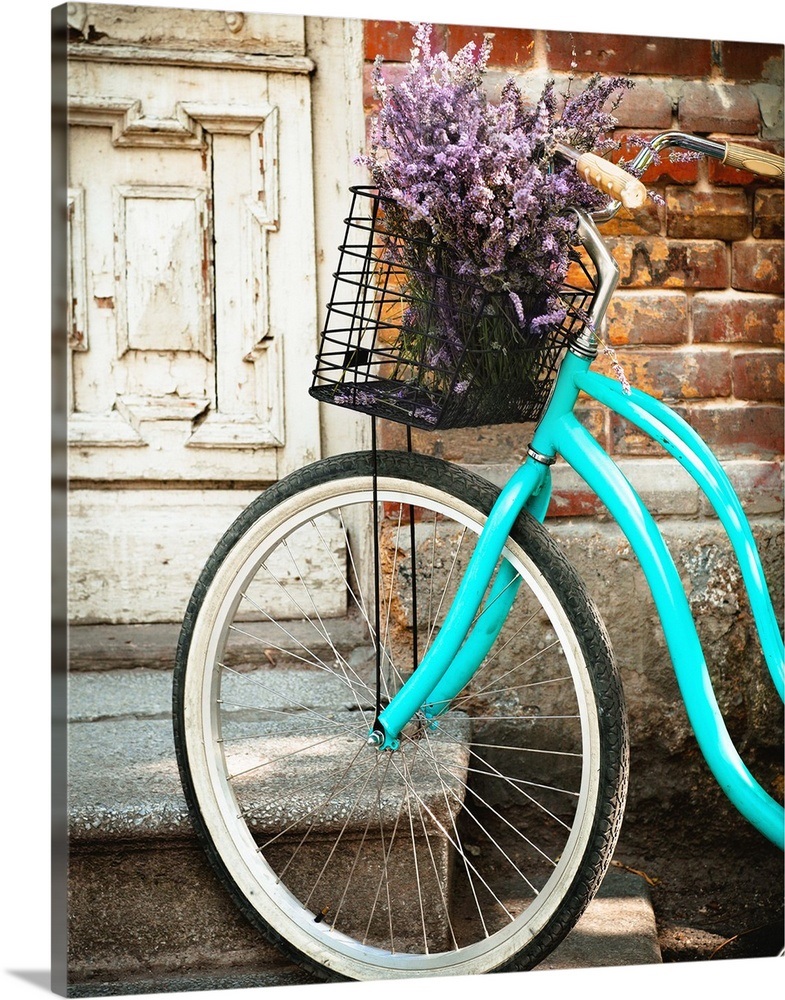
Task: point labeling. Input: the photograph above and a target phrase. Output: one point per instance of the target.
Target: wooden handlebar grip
(606, 176)
(757, 161)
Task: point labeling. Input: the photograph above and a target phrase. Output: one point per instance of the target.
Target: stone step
(617, 930)
(131, 840)
(110, 647)
(145, 909)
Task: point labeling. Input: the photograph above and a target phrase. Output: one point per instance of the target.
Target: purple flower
(478, 179)
(427, 414)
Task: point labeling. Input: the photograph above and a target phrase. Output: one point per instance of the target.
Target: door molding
(299, 65)
(242, 317)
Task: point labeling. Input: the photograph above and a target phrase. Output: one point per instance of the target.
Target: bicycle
(430, 779)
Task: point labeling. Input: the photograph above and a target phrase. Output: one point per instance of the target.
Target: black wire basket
(406, 341)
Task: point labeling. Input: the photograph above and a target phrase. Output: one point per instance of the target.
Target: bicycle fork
(468, 632)
(465, 637)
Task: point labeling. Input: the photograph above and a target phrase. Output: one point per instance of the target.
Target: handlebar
(607, 176)
(625, 188)
(757, 161)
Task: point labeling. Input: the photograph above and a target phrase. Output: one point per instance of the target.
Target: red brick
(745, 61)
(647, 105)
(576, 275)
(593, 417)
(758, 375)
(647, 318)
(721, 173)
(512, 47)
(660, 263)
(626, 439)
(757, 266)
(678, 374)
(648, 220)
(740, 429)
(711, 107)
(393, 40)
(719, 215)
(574, 503)
(722, 319)
(768, 212)
(628, 54)
(497, 444)
(675, 171)
(731, 430)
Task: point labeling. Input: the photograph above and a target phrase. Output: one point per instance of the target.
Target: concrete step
(617, 930)
(145, 909)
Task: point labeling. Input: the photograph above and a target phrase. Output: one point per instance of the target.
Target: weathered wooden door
(193, 308)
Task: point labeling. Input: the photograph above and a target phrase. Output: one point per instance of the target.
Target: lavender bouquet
(475, 188)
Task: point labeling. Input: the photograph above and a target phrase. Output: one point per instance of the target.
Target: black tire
(474, 831)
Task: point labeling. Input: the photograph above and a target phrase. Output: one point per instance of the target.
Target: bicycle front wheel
(475, 845)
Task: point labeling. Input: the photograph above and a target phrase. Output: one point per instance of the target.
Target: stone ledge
(664, 486)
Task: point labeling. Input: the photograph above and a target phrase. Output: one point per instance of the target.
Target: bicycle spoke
(321, 629)
(393, 568)
(494, 772)
(425, 858)
(339, 785)
(515, 830)
(524, 718)
(466, 868)
(339, 678)
(525, 686)
(517, 666)
(317, 661)
(256, 683)
(450, 574)
(414, 853)
(431, 620)
(500, 647)
(280, 757)
(358, 852)
(510, 747)
(360, 603)
(445, 904)
(337, 841)
(384, 880)
(459, 847)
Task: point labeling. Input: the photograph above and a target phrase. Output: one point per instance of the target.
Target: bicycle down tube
(471, 627)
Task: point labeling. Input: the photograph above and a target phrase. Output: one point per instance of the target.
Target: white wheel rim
(235, 845)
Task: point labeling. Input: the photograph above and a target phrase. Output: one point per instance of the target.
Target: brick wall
(698, 318)
(697, 321)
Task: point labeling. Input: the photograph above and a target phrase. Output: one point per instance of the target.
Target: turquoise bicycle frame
(465, 638)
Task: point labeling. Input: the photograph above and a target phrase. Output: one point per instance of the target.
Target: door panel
(192, 285)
